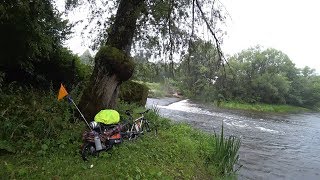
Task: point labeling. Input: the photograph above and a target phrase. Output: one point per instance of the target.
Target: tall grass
(225, 154)
(32, 119)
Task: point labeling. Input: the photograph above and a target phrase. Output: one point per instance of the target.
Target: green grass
(41, 139)
(263, 107)
(177, 152)
(159, 90)
(156, 89)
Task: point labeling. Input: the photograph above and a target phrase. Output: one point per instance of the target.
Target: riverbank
(178, 152)
(161, 90)
(41, 139)
(259, 107)
(169, 95)
(273, 146)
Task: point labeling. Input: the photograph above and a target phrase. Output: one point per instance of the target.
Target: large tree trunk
(113, 64)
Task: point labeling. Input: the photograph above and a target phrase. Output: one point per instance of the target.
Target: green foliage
(263, 107)
(134, 92)
(31, 35)
(198, 70)
(259, 76)
(252, 76)
(176, 152)
(166, 88)
(169, 22)
(86, 58)
(155, 89)
(31, 119)
(115, 61)
(149, 71)
(225, 153)
(268, 76)
(64, 68)
(51, 137)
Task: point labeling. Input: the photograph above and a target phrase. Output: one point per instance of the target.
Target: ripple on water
(267, 130)
(272, 147)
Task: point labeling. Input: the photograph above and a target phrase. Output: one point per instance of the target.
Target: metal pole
(79, 112)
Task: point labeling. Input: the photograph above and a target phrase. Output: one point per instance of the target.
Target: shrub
(133, 92)
(32, 118)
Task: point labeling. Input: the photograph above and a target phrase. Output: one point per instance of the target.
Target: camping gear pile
(105, 131)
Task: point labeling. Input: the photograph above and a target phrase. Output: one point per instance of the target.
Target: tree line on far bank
(254, 75)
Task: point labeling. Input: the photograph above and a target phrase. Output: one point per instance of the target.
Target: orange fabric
(62, 92)
(116, 136)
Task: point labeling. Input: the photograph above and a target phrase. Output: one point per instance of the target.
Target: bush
(133, 92)
(61, 67)
(33, 119)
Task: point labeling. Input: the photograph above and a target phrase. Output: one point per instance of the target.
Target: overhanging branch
(217, 42)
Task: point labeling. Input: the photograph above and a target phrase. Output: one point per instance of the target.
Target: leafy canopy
(164, 27)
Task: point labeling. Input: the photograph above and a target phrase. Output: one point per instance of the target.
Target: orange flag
(62, 92)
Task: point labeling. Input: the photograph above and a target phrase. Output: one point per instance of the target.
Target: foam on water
(185, 106)
(273, 147)
(267, 130)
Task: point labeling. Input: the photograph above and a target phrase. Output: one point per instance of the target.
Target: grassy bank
(176, 152)
(156, 89)
(163, 89)
(40, 139)
(263, 107)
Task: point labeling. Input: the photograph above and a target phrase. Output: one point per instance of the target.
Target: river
(273, 146)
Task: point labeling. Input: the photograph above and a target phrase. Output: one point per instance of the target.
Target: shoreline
(163, 101)
(260, 107)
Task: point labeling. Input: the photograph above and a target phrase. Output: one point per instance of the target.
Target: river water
(273, 146)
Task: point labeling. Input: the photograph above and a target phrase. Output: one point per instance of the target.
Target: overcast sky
(291, 26)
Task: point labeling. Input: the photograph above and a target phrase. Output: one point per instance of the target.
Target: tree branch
(170, 35)
(217, 42)
(190, 40)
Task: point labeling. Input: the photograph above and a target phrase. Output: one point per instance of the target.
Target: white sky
(291, 26)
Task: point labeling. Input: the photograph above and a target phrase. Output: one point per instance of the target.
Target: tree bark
(111, 70)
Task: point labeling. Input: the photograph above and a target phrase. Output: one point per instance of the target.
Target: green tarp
(107, 116)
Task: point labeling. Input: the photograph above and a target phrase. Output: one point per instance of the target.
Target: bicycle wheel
(125, 133)
(146, 127)
(88, 150)
(153, 128)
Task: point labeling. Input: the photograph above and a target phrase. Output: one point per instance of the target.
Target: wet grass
(41, 139)
(259, 107)
(160, 90)
(178, 152)
(156, 90)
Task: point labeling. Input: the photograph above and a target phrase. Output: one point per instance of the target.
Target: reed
(225, 154)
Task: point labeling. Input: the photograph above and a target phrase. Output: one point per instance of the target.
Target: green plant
(33, 119)
(134, 92)
(225, 153)
(260, 107)
(178, 152)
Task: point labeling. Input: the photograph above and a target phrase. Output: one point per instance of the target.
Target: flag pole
(70, 99)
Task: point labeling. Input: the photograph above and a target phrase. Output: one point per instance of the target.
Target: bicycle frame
(137, 125)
